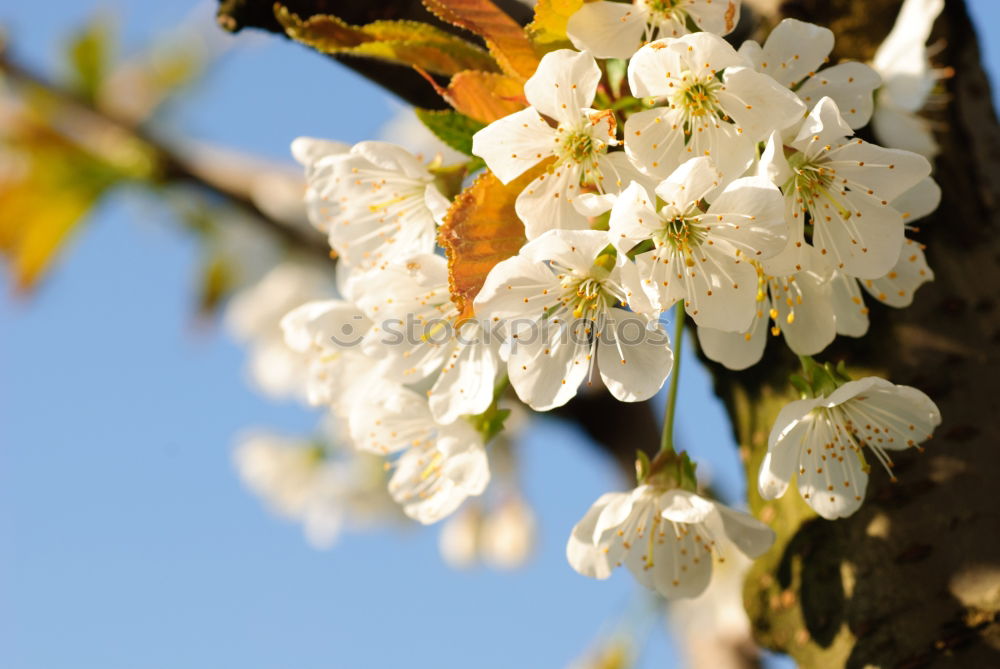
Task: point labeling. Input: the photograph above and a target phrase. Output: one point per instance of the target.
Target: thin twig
(172, 166)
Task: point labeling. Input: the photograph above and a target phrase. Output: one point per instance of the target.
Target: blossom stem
(667, 439)
(807, 364)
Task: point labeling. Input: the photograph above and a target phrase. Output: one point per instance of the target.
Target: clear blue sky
(126, 540)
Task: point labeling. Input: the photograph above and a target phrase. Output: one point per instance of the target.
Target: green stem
(667, 440)
(807, 364)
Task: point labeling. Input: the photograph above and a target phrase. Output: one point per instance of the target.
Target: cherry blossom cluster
(725, 184)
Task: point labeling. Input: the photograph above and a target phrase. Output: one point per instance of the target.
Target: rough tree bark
(913, 579)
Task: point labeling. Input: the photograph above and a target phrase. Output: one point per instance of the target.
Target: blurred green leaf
(49, 189)
(89, 52)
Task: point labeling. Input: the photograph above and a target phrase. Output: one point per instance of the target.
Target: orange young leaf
(485, 96)
(480, 230)
(506, 40)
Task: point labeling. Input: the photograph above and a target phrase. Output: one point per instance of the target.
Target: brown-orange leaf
(480, 230)
(507, 41)
(485, 96)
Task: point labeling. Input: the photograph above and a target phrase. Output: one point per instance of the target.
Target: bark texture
(913, 579)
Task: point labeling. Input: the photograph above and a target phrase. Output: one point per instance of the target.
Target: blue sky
(125, 538)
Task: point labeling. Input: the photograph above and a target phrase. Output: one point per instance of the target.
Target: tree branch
(171, 165)
(913, 578)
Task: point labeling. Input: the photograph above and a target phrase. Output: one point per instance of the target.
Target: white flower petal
(695, 180)
(632, 219)
(784, 443)
(750, 535)
(888, 172)
(772, 164)
(683, 506)
(813, 324)
(516, 288)
(720, 290)
(583, 554)
(849, 308)
(713, 16)
(465, 385)
(898, 286)
(547, 202)
(548, 361)
(634, 356)
(902, 58)
(564, 84)
(920, 201)
(617, 171)
(646, 70)
(736, 350)
(901, 129)
(391, 158)
(704, 54)
(758, 103)
(794, 50)
(575, 249)
(864, 242)
(822, 485)
(514, 143)
(750, 215)
(824, 126)
(850, 85)
(606, 29)
(307, 150)
(655, 141)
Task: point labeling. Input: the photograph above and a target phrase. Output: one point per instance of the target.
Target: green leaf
(89, 53)
(402, 42)
(454, 129)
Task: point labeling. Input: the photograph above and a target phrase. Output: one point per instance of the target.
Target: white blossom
(562, 314)
(418, 334)
(311, 153)
(908, 79)
(713, 628)
(899, 285)
(406, 129)
(327, 333)
(714, 105)
(846, 186)
(502, 537)
(508, 534)
(667, 539)
(458, 541)
(798, 306)
(253, 316)
(702, 257)
(296, 481)
(821, 442)
(315, 482)
(616, 29)
(562, 89)
(376, 202)
(438, 466)
(794, 55)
